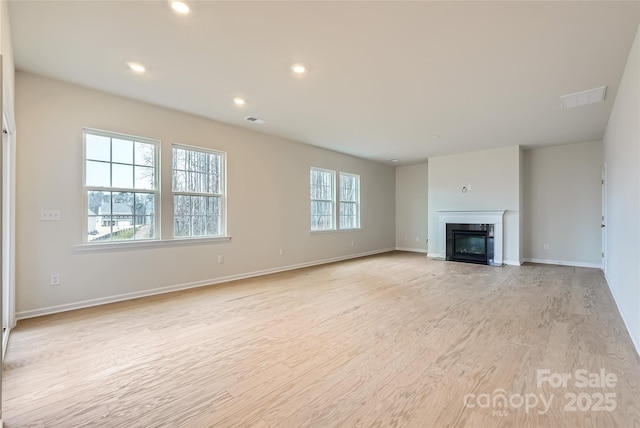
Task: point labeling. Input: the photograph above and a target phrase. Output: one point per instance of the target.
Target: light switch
(49, 215)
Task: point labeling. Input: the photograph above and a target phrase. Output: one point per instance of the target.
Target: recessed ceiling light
(394, 160)
(180, 7)
(239, 101)
(298, 68)
(136, 67)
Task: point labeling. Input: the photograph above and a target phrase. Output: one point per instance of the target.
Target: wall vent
(583, 98)
(254, 120)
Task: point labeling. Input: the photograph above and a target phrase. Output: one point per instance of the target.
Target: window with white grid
(121, 187)
(322, 199)
(198, 186)
(349, 201)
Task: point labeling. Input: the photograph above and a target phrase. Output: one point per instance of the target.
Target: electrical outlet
(352, 242)
(55, 279)
(545, 246)
(220, 259)
(282, 251)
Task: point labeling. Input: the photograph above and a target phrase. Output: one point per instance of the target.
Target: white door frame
(8, 223)
(603, 220)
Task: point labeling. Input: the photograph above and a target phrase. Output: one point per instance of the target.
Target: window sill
(321, 232)
(135, 245)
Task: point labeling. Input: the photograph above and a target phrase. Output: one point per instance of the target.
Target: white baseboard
(511, 262)
(168, 289)
(634, 339)
(564, 263)
(413, 250)
(436, 256)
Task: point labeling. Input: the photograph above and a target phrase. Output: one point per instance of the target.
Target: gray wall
(412, 207)
(562, 204)
(622, 160)
(268, 201)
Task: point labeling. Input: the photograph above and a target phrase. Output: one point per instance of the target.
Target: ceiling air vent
(579, 99)
(254, 120)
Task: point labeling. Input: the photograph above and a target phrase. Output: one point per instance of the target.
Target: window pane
(181, 226)
(213, 205)
(181, 205)
(213, 182)
(92, 226)
(199, 226)
(95, 228)
(144, 205)
(199, 182)
(95, 201)
(179, 159)
(348, 215)
(98, 174)
(191, 181)
(321, 215)
(145, 154)
(179, 181)
(144, 227)
(122, 151)
(347, 188)
(122, 176)
(144, 178)
(98, 147)
(199, 205)
(213, 226)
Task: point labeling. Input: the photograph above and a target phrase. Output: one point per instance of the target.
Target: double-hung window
(121, 187)
(322, 199)
(198, 177)
(349, 201)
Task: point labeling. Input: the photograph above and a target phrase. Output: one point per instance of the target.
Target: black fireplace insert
(470, 243)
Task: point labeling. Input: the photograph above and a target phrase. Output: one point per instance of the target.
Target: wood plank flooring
(394, 340)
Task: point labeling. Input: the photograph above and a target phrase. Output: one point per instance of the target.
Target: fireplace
(471, 243)
(490, 222)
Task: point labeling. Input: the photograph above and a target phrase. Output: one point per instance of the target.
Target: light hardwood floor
(395, 340)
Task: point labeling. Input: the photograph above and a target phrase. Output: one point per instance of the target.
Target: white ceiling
(385, 79)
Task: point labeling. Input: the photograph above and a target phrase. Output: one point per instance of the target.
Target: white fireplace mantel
(471, 217)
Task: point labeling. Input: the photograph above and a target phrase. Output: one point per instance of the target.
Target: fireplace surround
(473, 221)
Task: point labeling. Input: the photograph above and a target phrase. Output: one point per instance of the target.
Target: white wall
(622, 159)
(268, 201)
(412, 207)
(563, 204)
(494, 180)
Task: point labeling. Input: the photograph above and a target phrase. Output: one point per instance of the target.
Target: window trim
(334, 223)
(223, 195)
(156, 191)
(133, 245)
(356, 202)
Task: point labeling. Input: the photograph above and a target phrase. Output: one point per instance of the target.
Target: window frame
(355, 202)
(222, 195)
(156, 184)
(332, 200)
